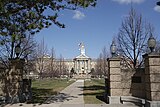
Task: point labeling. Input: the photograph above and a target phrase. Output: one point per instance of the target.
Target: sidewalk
(71, 96)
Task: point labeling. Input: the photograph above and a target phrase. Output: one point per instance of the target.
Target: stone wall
(125, 82)
(2, 71)
(13, 86)
(152, 77)
(140, 83)
(133, 82)
(126, 75)
(114, 77)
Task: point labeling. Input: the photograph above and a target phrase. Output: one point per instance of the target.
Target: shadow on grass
(41, 95)
(102, 98)
(47, 96)
(93, 87)
(61, 97)
(95, 90)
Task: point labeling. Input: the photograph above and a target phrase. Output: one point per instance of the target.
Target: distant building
(82, 64)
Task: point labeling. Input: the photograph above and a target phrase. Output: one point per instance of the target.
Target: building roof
(82, 56)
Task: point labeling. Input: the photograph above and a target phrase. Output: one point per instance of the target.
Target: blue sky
(95, 27)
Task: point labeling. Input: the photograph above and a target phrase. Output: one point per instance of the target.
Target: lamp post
(113, 49)
(158, 3)
(17, 50)
(18, 47)
(151, 43)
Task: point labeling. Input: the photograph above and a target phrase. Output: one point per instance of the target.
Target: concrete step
(110, 105)
(129, 100)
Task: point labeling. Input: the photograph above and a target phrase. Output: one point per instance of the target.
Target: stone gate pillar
(115, 90)
(13, 82)
(152, 80)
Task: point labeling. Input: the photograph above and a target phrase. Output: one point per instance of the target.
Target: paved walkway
(72, 96)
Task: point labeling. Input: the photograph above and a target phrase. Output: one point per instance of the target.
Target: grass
(43, 89)
(94, 91)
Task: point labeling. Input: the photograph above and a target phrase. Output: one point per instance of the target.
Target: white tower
(82, 48)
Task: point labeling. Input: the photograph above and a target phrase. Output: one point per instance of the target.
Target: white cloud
(78, 15)
(157, 8)
(129, 1)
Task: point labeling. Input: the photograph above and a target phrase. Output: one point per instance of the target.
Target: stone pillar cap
(114, 58)
(152, 55)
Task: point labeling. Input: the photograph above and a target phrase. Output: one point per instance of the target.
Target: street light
(151, 43)
(17, 50)
(158, 3)
(22, 38)
(18, 47)
(113, 49)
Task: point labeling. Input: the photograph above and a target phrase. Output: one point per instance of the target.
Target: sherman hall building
(82, 64)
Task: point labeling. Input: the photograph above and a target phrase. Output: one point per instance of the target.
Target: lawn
(42, 89)
(94, 91)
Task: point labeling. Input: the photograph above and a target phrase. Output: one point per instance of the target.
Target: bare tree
(62, 66)
(27, 46)
(99, 66)
(51, 68)
(57, 68)
(52, 64)
(41, 53)
(132, 37)
(105, 55)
